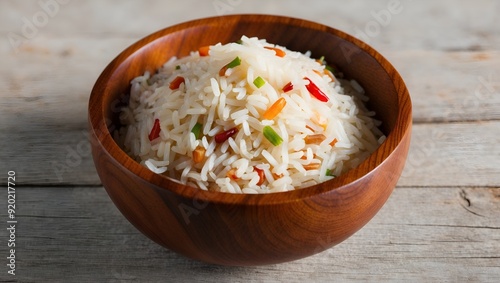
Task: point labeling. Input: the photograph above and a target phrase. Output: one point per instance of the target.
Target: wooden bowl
(230, 229)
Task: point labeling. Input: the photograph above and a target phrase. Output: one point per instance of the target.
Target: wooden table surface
(441, 224)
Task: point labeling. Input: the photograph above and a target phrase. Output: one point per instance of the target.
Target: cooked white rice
(220, 103)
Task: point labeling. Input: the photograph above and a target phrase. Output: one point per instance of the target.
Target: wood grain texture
(79, 235)
(467, 88)
(454, 154)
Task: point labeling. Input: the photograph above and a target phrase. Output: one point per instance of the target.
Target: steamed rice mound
(247, 117)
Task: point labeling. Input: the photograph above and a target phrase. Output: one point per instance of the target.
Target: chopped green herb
(259, 82)
(272, 136)
(330, 68)
(330, 173)
(197, 130)
(236, 62)
(239, 41)
(177, 67)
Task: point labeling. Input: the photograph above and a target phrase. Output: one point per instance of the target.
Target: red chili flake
(315, 91)
(155, 131)
(262, 177)
(176, 83)
(223, 136)
(288, 87)
(231, 174)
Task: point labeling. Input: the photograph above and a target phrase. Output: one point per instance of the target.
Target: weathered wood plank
(389, 25)
(422, 235)
(451, 86)
(456, 154)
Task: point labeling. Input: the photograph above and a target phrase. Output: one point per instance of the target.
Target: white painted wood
(440, 225)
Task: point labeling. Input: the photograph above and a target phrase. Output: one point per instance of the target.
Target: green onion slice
(330, 173)
(259, 82)
(272, 136)
(197, 130)
(236, 62)
(330, 68)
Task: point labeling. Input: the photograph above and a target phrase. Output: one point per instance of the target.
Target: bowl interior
(388, 95)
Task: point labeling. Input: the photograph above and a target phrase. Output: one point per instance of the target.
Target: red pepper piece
(223, 136)
(262, 177)
(176, 83)
(231, 174)
(315, 91)
(155, 131)
(288, 87)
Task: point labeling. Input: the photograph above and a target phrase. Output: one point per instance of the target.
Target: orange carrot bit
(318, 72)
(199, 154)
(333, 142)
(262, 177)
(275, 109)
(276, 176)
(279, 52)
(203, 51)
(236, 62)
(314, 139)
(325, 72)
(309, 127)
(304, 157)
(231, 174)
(330, 74)
(176, 83)
(222, 71)
(319, 120)
(311, 166)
